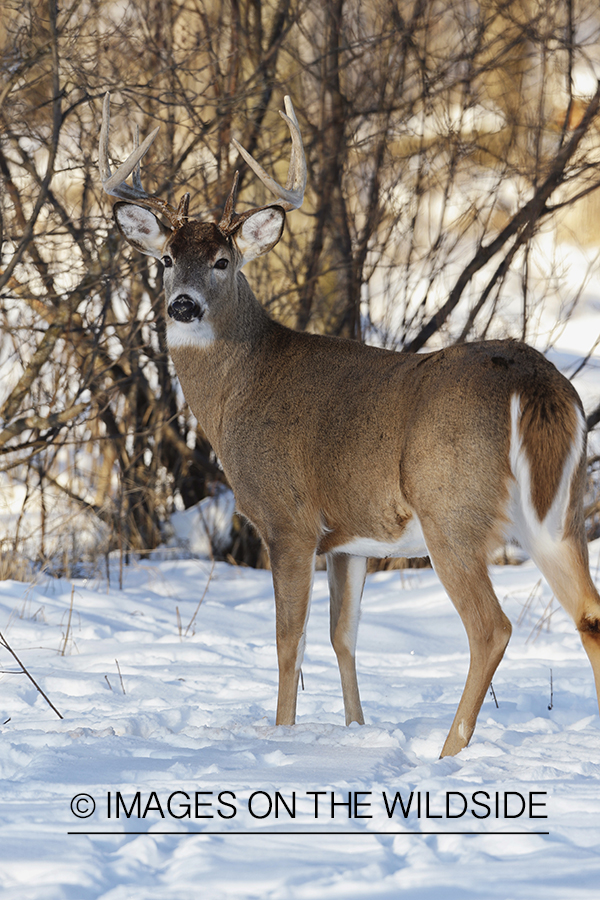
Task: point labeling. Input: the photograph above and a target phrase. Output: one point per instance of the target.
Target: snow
(194, 714)
(204, 528)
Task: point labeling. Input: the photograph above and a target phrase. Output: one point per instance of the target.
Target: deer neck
(216, 369)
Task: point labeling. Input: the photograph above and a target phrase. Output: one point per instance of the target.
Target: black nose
(184, 309)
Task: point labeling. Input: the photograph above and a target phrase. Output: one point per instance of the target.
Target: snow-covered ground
(161, 718)
(193, 718)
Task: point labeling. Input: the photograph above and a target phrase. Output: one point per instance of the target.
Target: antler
(115, 184)
(288, 197)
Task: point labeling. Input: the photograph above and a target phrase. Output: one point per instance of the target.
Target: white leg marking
(351, 609)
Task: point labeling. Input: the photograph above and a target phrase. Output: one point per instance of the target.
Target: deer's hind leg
(566, 571)
(563, 561)
(346, 576)
(558, 546)
(462, 568)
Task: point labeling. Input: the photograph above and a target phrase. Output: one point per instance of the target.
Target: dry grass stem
(120, 676)
(191, 622)
(64, 647)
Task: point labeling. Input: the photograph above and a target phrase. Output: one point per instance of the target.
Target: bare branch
(4, 643)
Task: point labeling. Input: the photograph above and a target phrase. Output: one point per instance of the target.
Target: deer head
(202, 260)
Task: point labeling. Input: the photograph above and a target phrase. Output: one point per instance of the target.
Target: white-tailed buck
(334, 447)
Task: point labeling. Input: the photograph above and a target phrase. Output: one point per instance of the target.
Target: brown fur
(206, 240)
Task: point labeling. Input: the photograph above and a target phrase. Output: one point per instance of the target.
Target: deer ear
(141, 228)
(259, 232)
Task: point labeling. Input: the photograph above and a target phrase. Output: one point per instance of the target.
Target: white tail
(333, 447)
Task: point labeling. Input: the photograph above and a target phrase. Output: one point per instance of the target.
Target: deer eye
(167, 262)
(221, 263)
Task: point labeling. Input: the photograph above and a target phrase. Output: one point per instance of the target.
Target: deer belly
(410, 543)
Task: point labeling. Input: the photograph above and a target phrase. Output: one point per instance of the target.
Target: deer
(334, 447)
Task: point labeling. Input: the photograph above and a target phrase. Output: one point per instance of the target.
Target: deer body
(333, 447)
(379, 407)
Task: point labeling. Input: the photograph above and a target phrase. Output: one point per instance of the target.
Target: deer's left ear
(141, 228)
(259, 232)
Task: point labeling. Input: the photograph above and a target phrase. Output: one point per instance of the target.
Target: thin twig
(68, 621)
(108, 682)
(120, 676)
(533, 595)
(543, 620)
(5, 644)
(551, 692)
(212, 568)
(493, 693)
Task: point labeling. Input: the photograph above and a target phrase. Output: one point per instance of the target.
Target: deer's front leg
(293, 569)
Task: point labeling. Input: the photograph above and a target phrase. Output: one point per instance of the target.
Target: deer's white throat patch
(197, 333)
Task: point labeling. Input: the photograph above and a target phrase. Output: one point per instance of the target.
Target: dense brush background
(453, 153)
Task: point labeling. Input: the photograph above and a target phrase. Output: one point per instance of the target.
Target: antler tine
(103, 163)
(297, 174)
(115, 184)
(291, 196)
(136, 177)
(229, 219)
